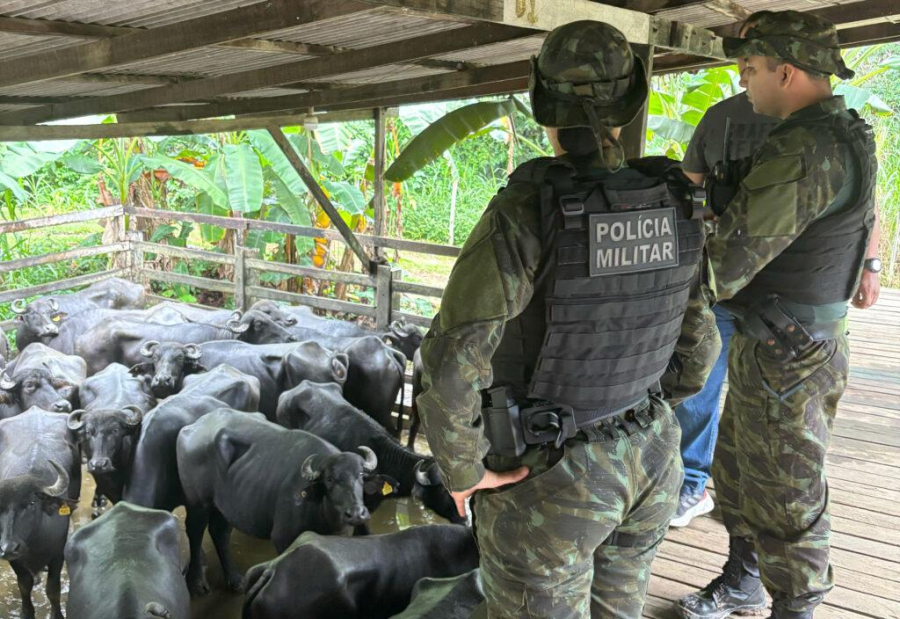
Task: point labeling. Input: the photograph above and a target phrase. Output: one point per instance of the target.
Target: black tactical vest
(620, 252)
(823, 264)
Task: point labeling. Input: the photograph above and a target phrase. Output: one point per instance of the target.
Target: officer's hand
(868, 290)
(490, 480)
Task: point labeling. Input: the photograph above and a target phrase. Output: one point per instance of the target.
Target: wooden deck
(864, 480)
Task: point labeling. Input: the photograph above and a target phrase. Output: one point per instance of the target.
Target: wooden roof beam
(150, 43)
(346, 62)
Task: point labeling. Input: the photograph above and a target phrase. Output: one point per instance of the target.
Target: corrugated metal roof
(207, 62)
(65, 88)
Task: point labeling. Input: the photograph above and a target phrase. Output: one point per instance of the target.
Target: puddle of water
(391, 516)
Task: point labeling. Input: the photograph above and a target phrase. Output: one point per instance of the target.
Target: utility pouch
(782, 335)
(502, 423)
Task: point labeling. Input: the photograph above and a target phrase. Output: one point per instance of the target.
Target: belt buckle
(550, 422)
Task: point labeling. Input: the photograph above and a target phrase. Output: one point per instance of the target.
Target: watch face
(874, 265)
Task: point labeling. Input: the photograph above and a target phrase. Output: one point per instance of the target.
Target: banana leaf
(444, 133)
(189, 175)
(244, 178)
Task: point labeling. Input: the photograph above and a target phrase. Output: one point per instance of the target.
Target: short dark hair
(773, 63)
(578, 141)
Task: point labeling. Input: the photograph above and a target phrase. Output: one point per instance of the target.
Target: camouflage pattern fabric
(802, 39)
(769, 466)
(577, 537)
(586, 63)
(795, 177)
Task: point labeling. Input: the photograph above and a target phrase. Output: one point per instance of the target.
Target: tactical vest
(823, 264)
(620, 252)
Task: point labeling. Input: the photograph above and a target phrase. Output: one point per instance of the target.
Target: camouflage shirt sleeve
(698, 346)
(795, 178)
(491, 283)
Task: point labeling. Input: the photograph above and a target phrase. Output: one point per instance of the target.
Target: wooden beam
(847, 15)
(346, 62)
(128, 78)
(340, 96)
(34, 133)
(191, 34)
(46, 27)
(312, 184)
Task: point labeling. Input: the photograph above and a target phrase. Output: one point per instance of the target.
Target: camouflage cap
(586, 64)
(802, 39)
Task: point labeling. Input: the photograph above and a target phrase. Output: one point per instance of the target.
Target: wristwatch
(873, 265)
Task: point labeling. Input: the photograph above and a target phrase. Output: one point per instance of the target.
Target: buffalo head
(430, 490)
(168, 363)
(24, 500)
(403, 337)
(36, 387)
(275, 311)
(104, 436)
(37, 320)
(339, 479)
(313, 362)
(255, 327)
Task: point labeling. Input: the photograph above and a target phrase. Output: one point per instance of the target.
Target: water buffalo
(368, 577)
(445, 598)
(399, 335)
(33, 387)
(152, 480)
(121, 341)
(64, 369)
(40, 479)
(277, 366)
(245, 472)
(39, 320)
(127, 564)
(322, 410)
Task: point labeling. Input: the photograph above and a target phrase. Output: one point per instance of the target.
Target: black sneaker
(736, 592)
(690, 506)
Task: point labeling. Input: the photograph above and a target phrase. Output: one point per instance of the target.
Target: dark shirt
(748, 133)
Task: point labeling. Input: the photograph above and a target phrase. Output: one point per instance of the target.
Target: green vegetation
(454, 159)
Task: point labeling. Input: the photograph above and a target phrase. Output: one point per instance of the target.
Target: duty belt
(782, 334)
(511, 430)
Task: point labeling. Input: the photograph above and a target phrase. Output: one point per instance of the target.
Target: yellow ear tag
(65, 510)
(56, 318)
(386, 489)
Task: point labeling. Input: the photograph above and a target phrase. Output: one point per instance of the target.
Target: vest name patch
(628, 242)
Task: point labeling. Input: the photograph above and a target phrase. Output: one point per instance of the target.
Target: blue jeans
(699, 416)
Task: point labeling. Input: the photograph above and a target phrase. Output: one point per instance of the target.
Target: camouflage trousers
(576, 538)
(769, 465)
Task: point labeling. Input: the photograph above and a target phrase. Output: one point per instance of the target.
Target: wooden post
(383, 306)
(634, 137)
(396, 276)
(313, 186)
(251, 277)
(378, 181)
(136, 257)
(240, 283)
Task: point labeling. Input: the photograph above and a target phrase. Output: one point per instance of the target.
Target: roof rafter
(149, 43)
(345, 62)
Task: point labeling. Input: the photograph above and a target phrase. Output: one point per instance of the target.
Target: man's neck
(805, 100)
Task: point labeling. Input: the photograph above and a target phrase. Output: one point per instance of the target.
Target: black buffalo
(127, 565)
(122, 341)
(322, 410)
(39, 321)
(33, 388)
(109, 425)
(445, 598)
(40, 479)
(245, 472)
(278, 367)
(153, 480)
(368, 577)
(64, 369)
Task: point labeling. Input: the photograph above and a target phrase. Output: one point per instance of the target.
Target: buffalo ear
(194, 367)
(57, 506)
(141, 369)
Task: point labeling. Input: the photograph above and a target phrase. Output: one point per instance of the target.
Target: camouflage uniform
(769, 466)
(578, 535)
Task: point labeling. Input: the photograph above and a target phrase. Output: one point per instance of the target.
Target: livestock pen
(175, 67)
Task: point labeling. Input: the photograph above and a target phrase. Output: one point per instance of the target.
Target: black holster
(781, 333)
(511, 430)
(723, 183)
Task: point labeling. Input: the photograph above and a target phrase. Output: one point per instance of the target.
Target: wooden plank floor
(864, 481)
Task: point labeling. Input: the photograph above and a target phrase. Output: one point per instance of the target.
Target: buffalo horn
(61, 485)
(371, 459)
(234, 323)
(192, 351)
(310, 469)
(135, 417)
(6, 383)
(148, 348)
(421, 475)
(18, 306)
(54, 304)
(76, 420)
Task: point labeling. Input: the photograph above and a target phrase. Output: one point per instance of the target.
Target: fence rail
(130, 249)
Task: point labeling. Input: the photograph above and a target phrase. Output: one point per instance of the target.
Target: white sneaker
(690, 506)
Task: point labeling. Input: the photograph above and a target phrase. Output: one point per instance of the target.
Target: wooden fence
(245, 285)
